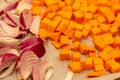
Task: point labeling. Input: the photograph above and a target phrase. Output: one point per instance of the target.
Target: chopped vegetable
(75, 67)
(35, 44)
(40, 70)
(8, 42)
(64, 54)
(26, 19)
(25, 64)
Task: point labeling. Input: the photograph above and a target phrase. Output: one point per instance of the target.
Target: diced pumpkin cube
(116, 22)
(75, 67)
(78, 27)
(68, 2)
(63, 25)
(94, 22)
(51, 15)
(95, 31)
(36, 10)
(87, 26)
(83, 65)
(117, 41)
(93, 8)
(104, 55)
(115, 54)
(76, 6)
(104, 28)
(51, 2)
(43, 33)
(88, 63)
(69, 32)
(64, 40)
(75, 56)
(110, 17)
(87, 17)
(75, 45)
(77, 36)
(97, 60)
(78, 16)
(67, 15)
(101, 19)
(112, 65)
(64, 54)
(96, 74)
(85, 33)
(113, 30)
(45, 23)
(56, 44)
(55, 36)
(92, 54)
(99, 67)
(61, 4)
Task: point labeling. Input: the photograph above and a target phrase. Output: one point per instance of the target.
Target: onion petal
(7, 60)
(2, 33)
(9, 42)
(35, 44)
(11, 6)
(40, 69)
(8, 71)
(35, 25)
(23, 5)
(26, 18)
(25, 64)
(11, 19)
(49, 74)
(8, 50)
(12, 32)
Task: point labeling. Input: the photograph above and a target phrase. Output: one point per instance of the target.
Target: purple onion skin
(22, 20)
(22, 34)
(1, 12)
(29, 42)
(7, 56)
(38, 49)
(10, 18)
(34, 44)
(11, 6)
(23, 17)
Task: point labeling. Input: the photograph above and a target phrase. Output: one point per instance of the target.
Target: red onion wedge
(7, 60)
(12, 32)
(8, 71)
(40, 69)
(25, 64)
(7, 63)
(8, 50)
(8, 42)
(35, 44)
(35, 25)
(26, 18)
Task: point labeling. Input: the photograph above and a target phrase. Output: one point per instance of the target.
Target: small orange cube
(75, 56)
(64, 54)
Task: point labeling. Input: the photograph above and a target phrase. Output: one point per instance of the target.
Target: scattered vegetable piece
(40, 69)
(35, 44)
